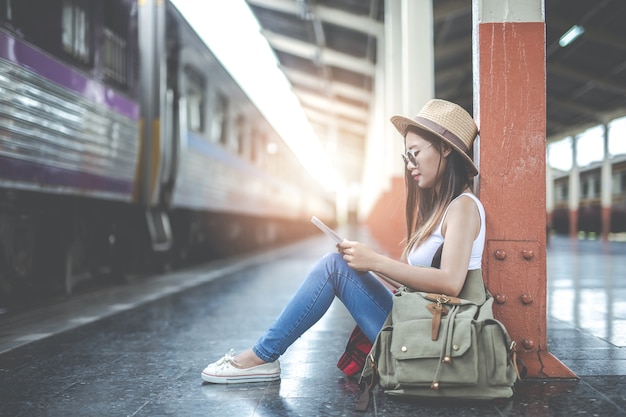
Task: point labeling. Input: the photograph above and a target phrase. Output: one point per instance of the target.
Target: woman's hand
(357, 255)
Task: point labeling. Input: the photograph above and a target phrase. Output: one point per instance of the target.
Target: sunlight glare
(232, 33)
(560, 154)
(617, 136)
(589, 145)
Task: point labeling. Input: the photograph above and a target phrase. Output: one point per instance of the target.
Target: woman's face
(430, 163)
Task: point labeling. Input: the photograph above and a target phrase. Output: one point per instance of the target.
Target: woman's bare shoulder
(464, 203)
(464, 210)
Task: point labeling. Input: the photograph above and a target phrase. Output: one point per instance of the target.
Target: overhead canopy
(327, 49)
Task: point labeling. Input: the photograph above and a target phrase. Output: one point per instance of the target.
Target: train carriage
(590, 207)
(122, 138)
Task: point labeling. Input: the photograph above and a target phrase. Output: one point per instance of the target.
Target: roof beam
(454, 48)
(323, 56)
(564, 131)
(331, 106)
(451, 9)
(332, 15)
(361, 24)
(573, 107)
(586, 77)
(571, 130)
(333, 88)
(322, 118)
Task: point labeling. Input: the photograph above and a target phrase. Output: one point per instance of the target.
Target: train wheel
(73, 270)
(7, 289)
(16, 260)
(59, 256)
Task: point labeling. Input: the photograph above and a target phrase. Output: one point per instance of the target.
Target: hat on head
(449, 122)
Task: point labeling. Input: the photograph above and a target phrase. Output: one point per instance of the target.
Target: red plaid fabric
(353, 359)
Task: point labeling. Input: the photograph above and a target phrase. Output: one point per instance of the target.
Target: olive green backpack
(437, 346)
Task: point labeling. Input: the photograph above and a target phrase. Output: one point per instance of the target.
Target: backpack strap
(370, 383)
(436, 263)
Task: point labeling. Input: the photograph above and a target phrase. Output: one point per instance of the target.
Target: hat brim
(402, 124)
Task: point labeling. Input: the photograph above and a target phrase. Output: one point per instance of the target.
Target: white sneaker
(224, 371)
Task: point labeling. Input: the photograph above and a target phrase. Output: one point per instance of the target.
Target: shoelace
(227, 360)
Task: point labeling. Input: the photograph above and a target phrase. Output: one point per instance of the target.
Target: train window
(34, 21)
(252, 146)
(240, 128)
(584, 189)
(194, 94)
(219, 119)
(273, 159)
(116, 30)
(596, 187)
(14, 16)
(6, 10)
(76, 29)
(561, 193)
(194, 111)
(261, 146)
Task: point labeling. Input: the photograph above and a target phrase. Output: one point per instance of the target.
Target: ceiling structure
(327, 50)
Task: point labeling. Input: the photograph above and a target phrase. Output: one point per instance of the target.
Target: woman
(440, 206)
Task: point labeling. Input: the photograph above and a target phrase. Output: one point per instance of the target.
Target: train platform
(138, 349)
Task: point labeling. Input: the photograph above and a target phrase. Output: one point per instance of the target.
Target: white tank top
(423, 254)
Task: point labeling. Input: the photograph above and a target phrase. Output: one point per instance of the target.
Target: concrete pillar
(409, 81)
(375, 168)
(409, 58)
(417, 58)
(573, 187)
(379, 166)
(393, 76)
(606, 192)
(510, 109)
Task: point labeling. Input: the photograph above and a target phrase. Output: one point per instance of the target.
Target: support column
(573, 188)
(375, 170)
(417, 60)
(606, 187)
(510, 108)
(409, 82)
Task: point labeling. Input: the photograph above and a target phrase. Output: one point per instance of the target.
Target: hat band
(437, 128)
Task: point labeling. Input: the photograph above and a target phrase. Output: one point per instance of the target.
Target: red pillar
(387, 221)
(510, 105)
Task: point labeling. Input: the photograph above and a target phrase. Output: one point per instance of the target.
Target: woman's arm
(460, 228)
(386, 281)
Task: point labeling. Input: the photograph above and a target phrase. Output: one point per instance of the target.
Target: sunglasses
(411, 156)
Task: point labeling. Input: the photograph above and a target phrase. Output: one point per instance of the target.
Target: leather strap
(437, 128)
(443, 299)
(364, 399)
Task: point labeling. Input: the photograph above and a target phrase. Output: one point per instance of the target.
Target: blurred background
(141, 136)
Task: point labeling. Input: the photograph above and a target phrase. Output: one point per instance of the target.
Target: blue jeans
(366, 298)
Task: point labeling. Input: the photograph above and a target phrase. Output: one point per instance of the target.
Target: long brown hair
(425, 207)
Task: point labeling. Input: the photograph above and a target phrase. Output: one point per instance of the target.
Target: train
(126, 147)
(590, 207)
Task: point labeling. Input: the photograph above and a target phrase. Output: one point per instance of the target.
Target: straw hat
(449, 122)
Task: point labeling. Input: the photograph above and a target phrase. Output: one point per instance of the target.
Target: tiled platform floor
(138, 350)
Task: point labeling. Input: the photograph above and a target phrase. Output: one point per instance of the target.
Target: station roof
(327, 50)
